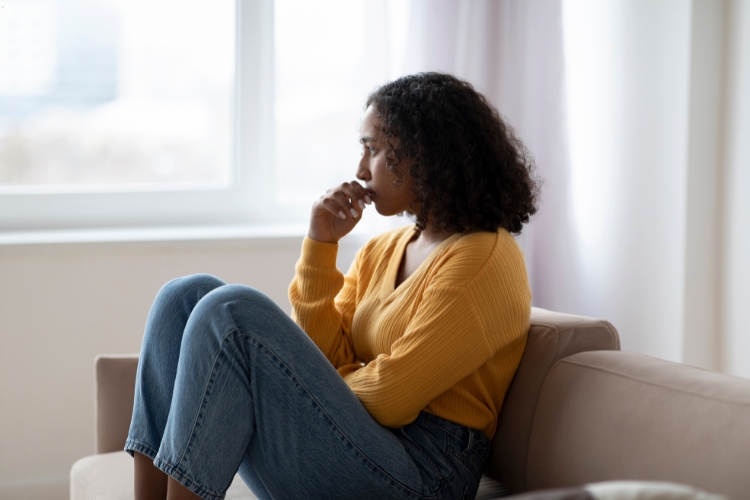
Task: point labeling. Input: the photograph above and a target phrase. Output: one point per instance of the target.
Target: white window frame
(248, 199)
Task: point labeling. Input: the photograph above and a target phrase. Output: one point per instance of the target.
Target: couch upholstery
(552, 337)
(622, 415)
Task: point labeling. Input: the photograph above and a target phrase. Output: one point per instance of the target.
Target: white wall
(62, 304)
(736, 256)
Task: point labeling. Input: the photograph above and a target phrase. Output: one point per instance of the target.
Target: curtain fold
(621, 104)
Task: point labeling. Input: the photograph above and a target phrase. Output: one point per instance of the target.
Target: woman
(388, 382)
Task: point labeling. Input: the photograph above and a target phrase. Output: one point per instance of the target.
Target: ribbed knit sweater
(447, 340)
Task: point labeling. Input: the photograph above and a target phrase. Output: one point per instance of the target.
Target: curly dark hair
(470, 170)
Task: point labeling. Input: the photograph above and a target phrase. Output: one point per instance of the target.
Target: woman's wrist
(322, 238)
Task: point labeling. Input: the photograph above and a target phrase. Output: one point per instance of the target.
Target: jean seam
(140, 447)
(196, 423)
(206, 393)
(332, 422)
(451, 433)
(462, 458)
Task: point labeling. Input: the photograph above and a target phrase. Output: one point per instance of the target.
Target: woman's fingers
(338, 211)
(334, 207)
(346, 204)
(359, 193)
(348, 199)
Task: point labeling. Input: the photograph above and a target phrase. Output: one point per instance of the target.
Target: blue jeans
(228, 383)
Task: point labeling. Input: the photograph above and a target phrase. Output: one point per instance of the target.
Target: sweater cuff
(347, 371)
(318, 253)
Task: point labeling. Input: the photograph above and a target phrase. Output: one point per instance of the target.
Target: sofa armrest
(603, 416)
(115, 389)
(552, 336)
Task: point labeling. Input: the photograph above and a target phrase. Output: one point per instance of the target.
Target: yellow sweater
(447, 340)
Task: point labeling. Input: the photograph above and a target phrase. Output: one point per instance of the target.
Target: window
(109, 93)
(177, 112)
(323, 76)
(118, 112)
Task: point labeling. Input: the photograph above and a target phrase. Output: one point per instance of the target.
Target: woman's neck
(430, 237)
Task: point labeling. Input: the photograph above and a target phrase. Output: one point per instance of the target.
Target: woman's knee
(195, 286)
(172, 307)
(240, 306)
(240, 296)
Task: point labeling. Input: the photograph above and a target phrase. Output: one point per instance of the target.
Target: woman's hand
(336, 213)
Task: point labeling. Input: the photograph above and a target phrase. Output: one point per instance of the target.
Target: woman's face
(390, 192)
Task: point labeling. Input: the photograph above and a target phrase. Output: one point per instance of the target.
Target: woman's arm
(323, 300)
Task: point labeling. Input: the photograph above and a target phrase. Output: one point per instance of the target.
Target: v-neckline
(389, 287)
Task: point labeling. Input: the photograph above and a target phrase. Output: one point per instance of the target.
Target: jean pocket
(469, 462)
(479, 445)
(471, 453)
(427, 457)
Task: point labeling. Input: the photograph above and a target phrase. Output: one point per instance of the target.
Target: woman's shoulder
(482, 256)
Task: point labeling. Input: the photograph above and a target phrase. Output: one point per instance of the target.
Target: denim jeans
(228, 383)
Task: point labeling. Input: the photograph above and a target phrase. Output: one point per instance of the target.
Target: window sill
(246, 233)
(155, 234)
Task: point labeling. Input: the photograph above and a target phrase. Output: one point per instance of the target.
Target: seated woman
(386, 382)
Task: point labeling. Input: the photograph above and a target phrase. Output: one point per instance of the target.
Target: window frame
(248, 199)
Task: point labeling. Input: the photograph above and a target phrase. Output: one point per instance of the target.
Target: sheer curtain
(634, 113)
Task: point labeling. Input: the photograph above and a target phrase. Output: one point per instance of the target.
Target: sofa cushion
(109, 476)
(647, 490)
(552, 336)
(621, 415)
(556, 494)
(621, 490)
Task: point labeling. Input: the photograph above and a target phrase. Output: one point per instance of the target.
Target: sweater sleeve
(446, 341)
(323, 300)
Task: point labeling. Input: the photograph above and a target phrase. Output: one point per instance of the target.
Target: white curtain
(635, 113)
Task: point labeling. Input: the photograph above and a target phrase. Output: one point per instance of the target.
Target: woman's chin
(383, 210)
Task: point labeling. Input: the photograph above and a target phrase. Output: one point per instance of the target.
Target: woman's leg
(253, 392)
(157, 368)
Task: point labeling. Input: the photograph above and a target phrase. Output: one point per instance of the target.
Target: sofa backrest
(552, 336)
(622, 415)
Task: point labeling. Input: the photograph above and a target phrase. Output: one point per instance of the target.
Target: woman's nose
(363, 173)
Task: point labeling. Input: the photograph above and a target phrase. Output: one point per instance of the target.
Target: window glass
(116, 92)
(329, 56)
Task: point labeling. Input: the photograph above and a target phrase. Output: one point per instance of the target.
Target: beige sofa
(578, 411)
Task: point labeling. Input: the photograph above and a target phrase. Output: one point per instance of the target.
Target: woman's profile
(386, 382)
